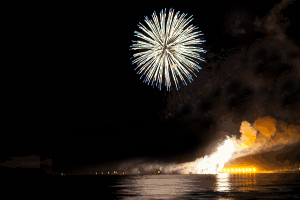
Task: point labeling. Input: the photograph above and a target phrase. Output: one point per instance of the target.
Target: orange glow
(238, 170)
(266, 126)
(248, 134)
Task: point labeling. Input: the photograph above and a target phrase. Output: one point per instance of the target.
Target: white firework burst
(168, 47)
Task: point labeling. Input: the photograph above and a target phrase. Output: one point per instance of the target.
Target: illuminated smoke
(263, 136)
(260, 137)
(266, 126)
(210, 164)
(248, 134)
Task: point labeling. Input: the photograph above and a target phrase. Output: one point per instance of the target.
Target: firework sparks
(169, 47)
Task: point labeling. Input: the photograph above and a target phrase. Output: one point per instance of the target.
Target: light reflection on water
(219, 186)
(223, 183)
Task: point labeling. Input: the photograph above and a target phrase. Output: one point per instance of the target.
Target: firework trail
(168, 47)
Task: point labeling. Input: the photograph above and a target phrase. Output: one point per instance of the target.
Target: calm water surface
(220, 186)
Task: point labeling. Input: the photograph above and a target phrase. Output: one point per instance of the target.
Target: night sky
(100, 112)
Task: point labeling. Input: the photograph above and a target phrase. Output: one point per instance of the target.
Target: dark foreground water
(220, 186)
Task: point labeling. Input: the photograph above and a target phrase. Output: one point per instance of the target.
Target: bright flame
(213, 163)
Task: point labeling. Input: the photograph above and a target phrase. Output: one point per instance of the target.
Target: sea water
(206, 186)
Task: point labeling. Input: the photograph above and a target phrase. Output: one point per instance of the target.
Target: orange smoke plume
(248, 134)
(266, 126)
(263, 135)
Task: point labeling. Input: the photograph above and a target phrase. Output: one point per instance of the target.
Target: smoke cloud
(261, 136)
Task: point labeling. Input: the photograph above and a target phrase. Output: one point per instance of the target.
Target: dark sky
(99, 111)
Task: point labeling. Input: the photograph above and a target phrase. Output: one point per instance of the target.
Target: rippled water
(220, 186)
